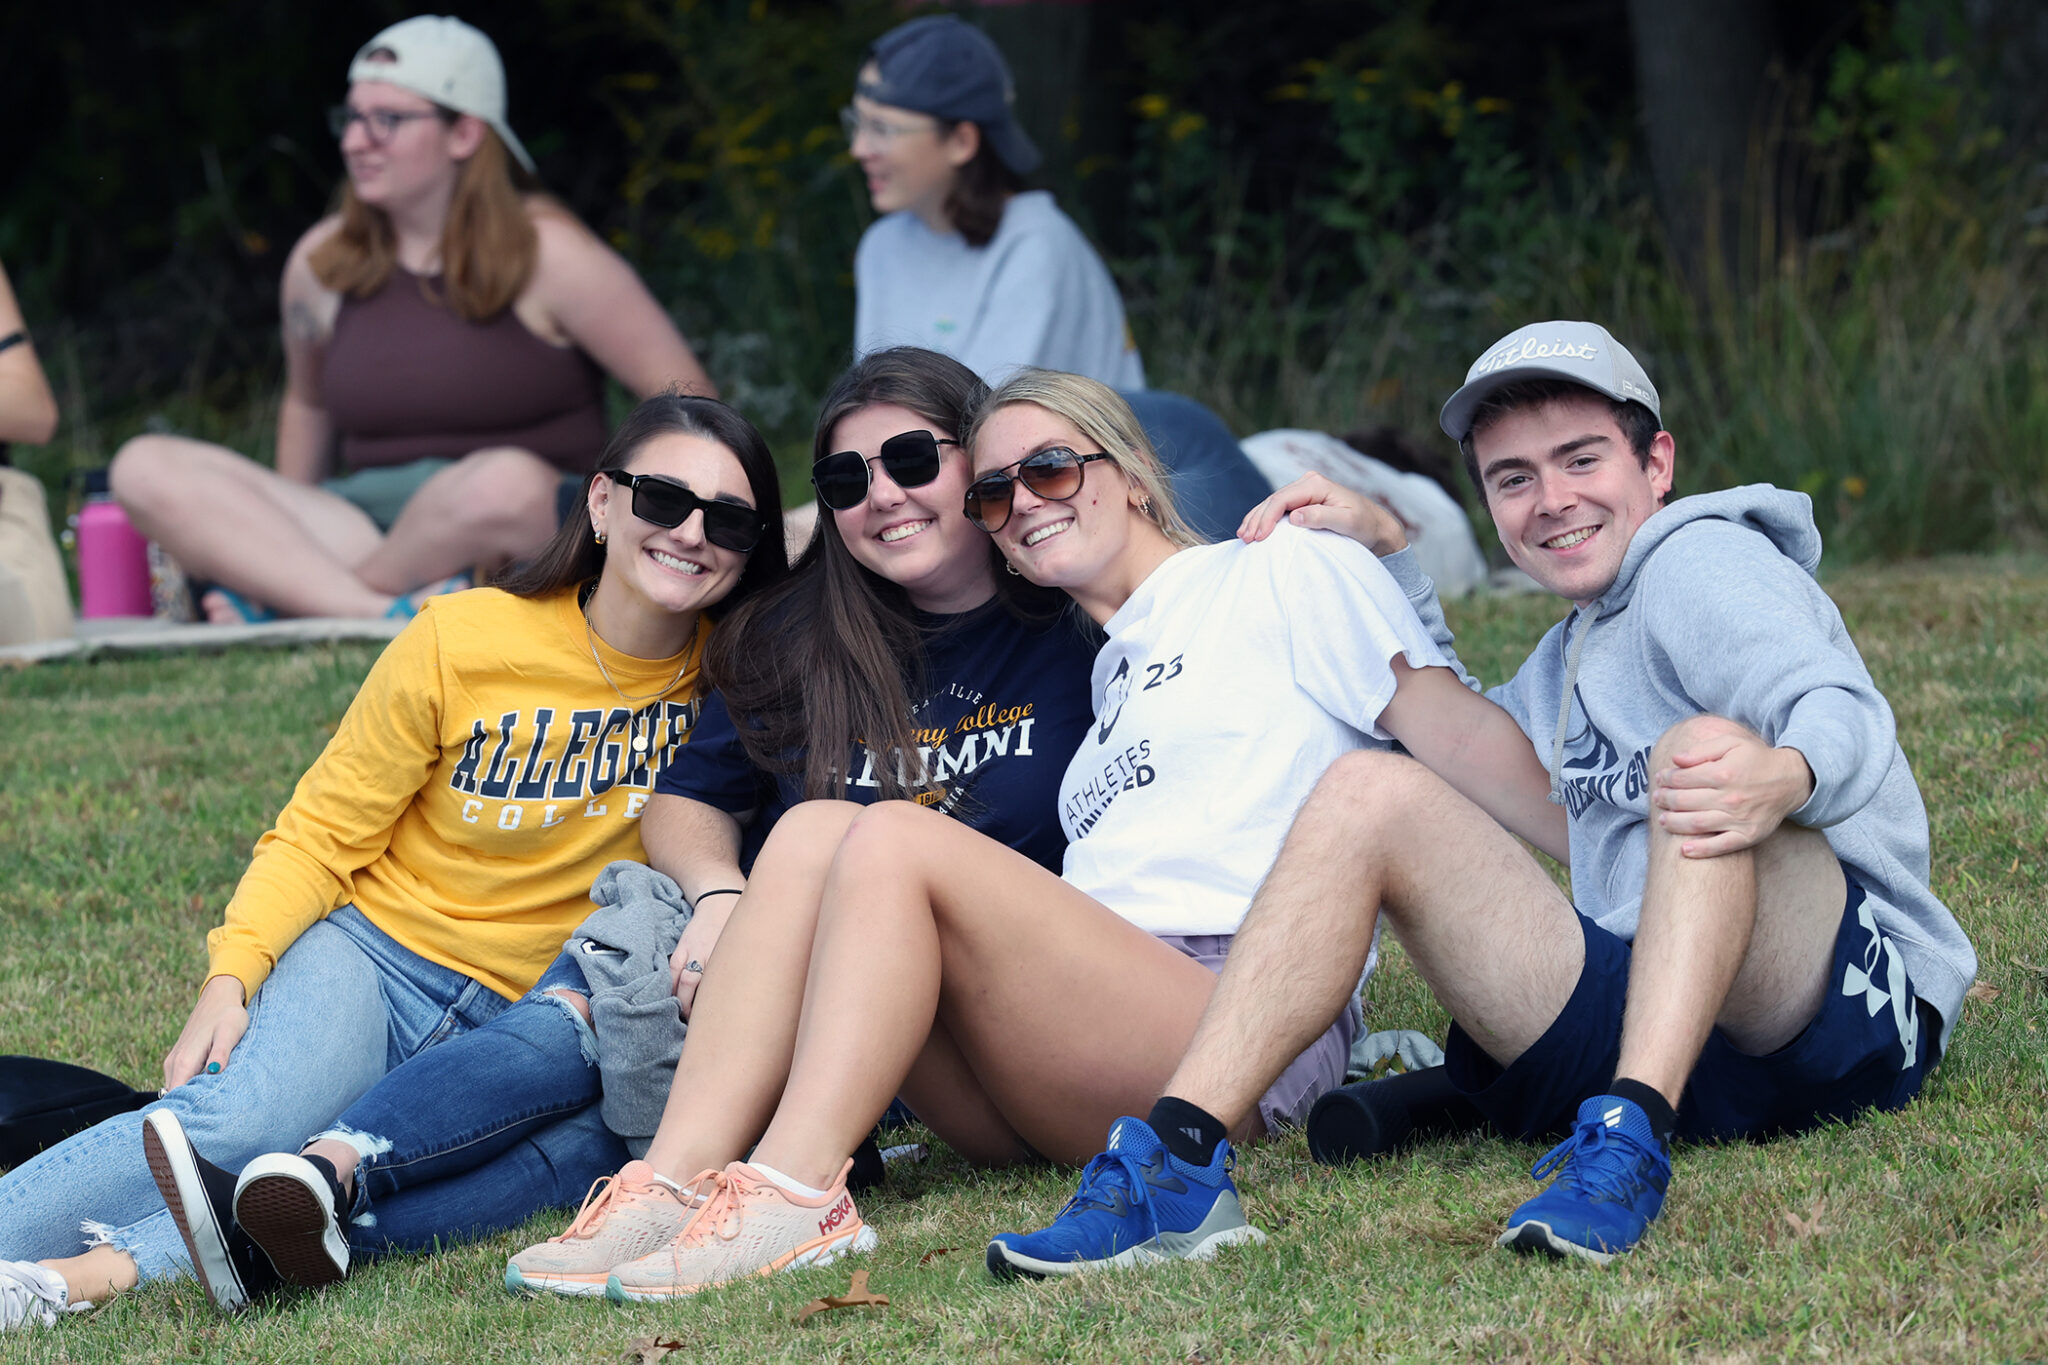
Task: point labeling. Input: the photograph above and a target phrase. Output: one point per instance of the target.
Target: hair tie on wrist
(728, 891)
(14, 338)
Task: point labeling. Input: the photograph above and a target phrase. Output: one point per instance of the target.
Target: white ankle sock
(793, 1186)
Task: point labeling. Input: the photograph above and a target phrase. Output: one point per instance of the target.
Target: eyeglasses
(380, 124)
(1054, 473)
(853, 123)
(911, 459)
(664, 502)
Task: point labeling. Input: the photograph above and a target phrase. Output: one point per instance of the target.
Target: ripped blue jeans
(482, 1131)
(346, 1004)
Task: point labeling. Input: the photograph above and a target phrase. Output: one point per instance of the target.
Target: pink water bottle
(113, 558)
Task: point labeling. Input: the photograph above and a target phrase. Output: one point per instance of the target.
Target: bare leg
(96, 1275)
(1495, 939)
(743, 1025)
(486, 509)
(1742, 940)
(1067, 1014)
(228, 519)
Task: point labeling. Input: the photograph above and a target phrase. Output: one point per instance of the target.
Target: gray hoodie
(1716, 610)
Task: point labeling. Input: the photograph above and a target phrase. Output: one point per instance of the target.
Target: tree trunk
(1701, 74)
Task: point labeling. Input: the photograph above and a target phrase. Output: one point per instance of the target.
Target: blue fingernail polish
(213, 1068)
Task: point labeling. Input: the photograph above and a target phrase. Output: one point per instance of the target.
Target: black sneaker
(287, 1206)
(201, 1197)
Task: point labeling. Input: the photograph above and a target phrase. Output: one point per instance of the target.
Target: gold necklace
(641, 743)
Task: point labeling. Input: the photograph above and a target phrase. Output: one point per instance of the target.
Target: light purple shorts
(1287, 1101)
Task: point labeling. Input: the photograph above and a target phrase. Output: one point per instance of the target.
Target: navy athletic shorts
(1869, 1048)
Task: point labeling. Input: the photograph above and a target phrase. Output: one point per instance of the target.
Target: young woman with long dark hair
(424, 874)
(899, 662)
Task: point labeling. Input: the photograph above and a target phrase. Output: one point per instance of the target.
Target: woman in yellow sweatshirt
(432, 861)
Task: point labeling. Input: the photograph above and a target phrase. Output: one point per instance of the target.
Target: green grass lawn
(131, 792)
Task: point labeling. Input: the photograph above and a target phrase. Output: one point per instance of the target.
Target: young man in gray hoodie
(1751, 946)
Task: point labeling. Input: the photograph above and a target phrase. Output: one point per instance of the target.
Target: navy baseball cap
(946, 67)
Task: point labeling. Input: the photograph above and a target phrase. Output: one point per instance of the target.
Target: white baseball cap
(1582, 352)
(449, 62)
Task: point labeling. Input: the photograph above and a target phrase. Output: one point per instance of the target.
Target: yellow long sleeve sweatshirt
(480, 780)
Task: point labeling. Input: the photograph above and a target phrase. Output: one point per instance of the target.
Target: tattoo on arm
(301, 323)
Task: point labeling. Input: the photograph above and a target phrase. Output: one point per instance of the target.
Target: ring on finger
(693, 965)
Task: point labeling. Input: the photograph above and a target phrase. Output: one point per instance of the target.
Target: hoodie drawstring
(1564, 708)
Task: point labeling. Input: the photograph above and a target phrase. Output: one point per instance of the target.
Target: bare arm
(1477, 748)
(28, 410)
(594, 299)
(305, 437)
(699, 846)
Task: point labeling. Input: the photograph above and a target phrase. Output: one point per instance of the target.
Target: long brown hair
(981, 190)
(573, 557)
(832, 657)
(488, 244)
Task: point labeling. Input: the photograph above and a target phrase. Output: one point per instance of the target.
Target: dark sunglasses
(1054, 473)
(664, 502)
(911, 459)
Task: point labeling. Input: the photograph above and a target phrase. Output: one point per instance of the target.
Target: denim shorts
(1869, 1047)
(1320, 1067)
(382, 491)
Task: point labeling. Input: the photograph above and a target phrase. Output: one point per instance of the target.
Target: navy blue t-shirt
(1005, 707)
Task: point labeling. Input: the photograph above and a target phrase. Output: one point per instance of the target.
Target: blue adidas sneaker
(1611, 1177)
(1138, 1203)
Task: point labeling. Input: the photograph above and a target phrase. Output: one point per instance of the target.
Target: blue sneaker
(1611, 1176)
(1138, 1203)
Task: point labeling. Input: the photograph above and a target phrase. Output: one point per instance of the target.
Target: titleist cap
(449, 62)
(1582, 352)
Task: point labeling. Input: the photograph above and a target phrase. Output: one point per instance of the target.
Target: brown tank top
(405, 378)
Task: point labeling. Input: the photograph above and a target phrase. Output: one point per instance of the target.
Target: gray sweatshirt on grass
(1716, 611)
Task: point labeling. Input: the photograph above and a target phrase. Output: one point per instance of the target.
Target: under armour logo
(1894, 990)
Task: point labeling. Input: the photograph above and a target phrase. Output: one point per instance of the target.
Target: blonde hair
(1095, 410)
(488, 244)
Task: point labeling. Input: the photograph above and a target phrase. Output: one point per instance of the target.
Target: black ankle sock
(326, 1168)
(1663, 1121)
(1190, 1133)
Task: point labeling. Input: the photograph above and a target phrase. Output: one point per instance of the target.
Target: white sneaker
(32, 1295)
(625, 1217)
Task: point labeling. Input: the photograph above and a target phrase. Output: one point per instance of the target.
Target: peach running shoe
(748, 1225)
(624, 1217)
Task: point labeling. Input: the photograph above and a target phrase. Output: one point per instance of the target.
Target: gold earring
(600, 537)
(1146, 507)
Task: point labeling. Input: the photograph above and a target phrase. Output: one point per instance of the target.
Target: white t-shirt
(1232, 678)
(1036, 294)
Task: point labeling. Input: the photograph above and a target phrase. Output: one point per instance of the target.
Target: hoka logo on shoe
(1612, 1118)
(841, 1211)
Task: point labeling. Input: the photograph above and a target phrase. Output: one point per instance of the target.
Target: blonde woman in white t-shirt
(1019, 1013)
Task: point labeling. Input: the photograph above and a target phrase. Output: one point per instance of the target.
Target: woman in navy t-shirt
(899, 661)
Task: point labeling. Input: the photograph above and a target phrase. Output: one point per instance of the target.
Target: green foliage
(1887, 363)
(1318, 215)
(739, 198)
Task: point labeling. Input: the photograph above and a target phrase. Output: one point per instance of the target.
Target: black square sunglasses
(664, 502)
(911, 459)
(1054, 473)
